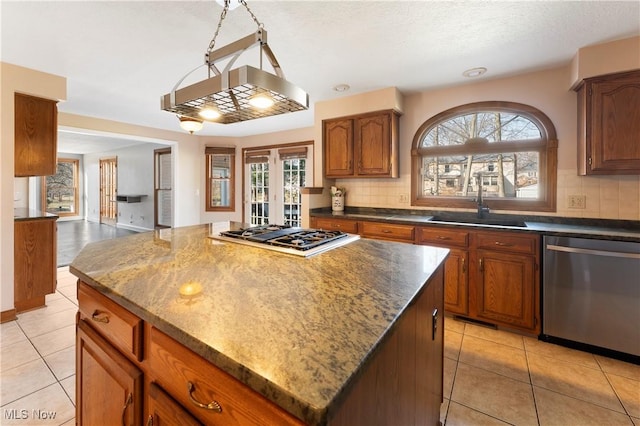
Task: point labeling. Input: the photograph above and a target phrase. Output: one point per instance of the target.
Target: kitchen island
(353, 335)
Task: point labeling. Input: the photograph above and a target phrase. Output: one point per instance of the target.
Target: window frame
(76, 190)
(210, 152)
(546, 147)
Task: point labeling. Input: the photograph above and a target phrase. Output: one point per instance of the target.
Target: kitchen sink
(480, 221)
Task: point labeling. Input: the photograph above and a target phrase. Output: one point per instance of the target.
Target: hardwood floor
(73, 235)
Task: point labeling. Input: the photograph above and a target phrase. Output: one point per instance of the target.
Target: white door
(274, 178)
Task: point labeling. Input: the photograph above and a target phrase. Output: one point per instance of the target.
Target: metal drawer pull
(464, 266)
(150, 420)
(501, 244)
(124, 409)
(386, 231)
(213, 405)
(100, 317)
(440, 237)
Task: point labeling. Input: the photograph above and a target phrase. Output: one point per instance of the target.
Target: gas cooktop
(288, 239)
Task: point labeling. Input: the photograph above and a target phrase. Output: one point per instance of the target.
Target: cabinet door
(338, 148)
(36, 130)
(505, 290)
(108, 386)
(35, 262)
(373, 145)
(456, 283)
(331, 224)
(612, 129)
(165, 411)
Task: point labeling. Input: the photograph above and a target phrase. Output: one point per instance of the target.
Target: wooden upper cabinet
(609, 124)
(36, 130)
(338, 147)
(363, 145)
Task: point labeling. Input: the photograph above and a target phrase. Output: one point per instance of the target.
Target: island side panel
(403, 382)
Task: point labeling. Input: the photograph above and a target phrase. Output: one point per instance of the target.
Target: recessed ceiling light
(341, 87)
(474, 72)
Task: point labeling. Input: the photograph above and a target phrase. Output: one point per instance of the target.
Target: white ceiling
(120, 56)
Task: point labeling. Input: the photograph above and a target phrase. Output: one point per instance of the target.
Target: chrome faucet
(482, 209)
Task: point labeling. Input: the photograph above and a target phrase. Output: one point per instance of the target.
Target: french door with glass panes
(274, 178)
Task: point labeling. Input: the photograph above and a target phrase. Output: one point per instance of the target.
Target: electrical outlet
(404, 198)
(577, 201)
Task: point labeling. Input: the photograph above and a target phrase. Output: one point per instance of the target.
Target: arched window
(507, 150)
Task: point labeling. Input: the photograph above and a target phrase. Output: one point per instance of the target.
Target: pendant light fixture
(233, 95)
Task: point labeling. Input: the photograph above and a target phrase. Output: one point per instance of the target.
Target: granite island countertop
(297, 330)
(23, 213)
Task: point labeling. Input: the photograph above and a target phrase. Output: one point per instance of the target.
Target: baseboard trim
(132, 227)
(8, 315)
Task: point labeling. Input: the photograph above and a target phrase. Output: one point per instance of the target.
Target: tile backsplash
(606, 197)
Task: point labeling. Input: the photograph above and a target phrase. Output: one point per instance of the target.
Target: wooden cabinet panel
(331, 224)
(505, 289)
(388, 231)
(189, 378)
(504, 241)
(373, 145)
(456, 283)
(442, 237)
(338, 148)
(108, 386)
(35, 264)
(165, 411)
(120, 326)
(609, 124)
(36, 130)
(364, 145)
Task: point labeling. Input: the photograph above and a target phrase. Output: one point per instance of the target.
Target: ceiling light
(235, 89)
(190, 124)
(341, 87)
(474, 72)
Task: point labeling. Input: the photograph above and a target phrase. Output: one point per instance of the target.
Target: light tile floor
(491, 377)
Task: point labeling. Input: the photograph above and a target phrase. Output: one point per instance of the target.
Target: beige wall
(607, 197)
(605, 58)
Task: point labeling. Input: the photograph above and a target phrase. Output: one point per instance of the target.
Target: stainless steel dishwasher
(591, 295)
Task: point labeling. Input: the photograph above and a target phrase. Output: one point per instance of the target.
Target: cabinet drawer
(191, 379)
(388, 231)
(510, 242)
(331, 224)
(115, 323)
(442, 236)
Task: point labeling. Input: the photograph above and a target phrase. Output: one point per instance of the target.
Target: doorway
(163, 200)
(108, 191)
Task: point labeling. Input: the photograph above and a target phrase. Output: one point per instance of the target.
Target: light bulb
(209, 113)
(261, 101)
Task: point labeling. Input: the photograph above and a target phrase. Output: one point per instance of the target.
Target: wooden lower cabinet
(402, 382)
(35, 262)
(108, 385)
(490, 276)
(335, 224)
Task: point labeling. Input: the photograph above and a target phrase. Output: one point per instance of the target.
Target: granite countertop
(24, 213)
(294, 329)
(621, 230)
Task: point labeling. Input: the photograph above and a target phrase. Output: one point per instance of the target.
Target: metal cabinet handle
(464, 266)
(481, 266)
(213, 405)
(150, 420)
(434, 323)
(124, 409)
(100, 317)
(440, 237)
(386, 231)
(501, 244)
